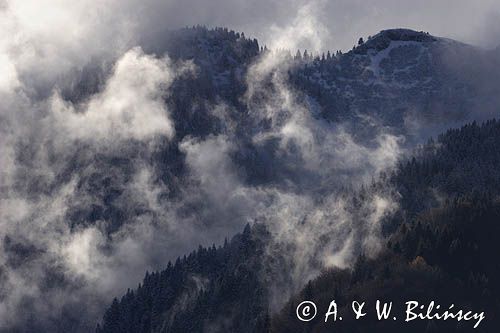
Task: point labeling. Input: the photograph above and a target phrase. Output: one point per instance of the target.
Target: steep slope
(443, 251)
(442, 243)
(413, 82)
(212, 289)
(406, 81)
(221, 169)
(401, 81)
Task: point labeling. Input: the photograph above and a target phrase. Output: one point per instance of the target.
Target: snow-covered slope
(404, 79)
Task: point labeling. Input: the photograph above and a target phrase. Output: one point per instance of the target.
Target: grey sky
(345, 20)
(61, 34)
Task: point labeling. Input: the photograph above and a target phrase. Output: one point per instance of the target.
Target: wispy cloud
(82, 192)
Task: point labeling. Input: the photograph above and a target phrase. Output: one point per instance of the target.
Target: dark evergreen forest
(441, 245)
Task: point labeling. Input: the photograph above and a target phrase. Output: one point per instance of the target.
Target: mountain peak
(383, 39)
(401, 34)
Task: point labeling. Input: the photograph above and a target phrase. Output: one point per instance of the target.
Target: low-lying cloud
(85, 206)
(57, 160)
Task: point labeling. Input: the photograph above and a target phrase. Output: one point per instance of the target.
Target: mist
(72, 167)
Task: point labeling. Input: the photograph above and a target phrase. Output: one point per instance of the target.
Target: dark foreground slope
(211, 290)
(444, 251)
(448, 255)
(442, 246)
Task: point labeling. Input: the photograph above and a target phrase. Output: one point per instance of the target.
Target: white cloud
(45, 42)
(131, 105)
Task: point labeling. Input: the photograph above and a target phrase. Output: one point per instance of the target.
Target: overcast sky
(337, 23)
(342, 22)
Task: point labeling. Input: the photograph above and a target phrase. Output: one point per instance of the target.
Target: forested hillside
(440, 246)
(212, 289)
(127, 161)
(443, 248)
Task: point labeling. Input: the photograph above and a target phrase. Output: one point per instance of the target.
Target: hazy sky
(337, 23)
(341, 22)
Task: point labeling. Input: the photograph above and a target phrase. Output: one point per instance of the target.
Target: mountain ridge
(427, 248)
(258, 136)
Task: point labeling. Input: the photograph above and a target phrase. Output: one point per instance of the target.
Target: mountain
(399, 77)
(437, 247)
(413, 82)
(443, 251)
(406, 82)
(212, 289)
(398, 81)
(285, 145)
